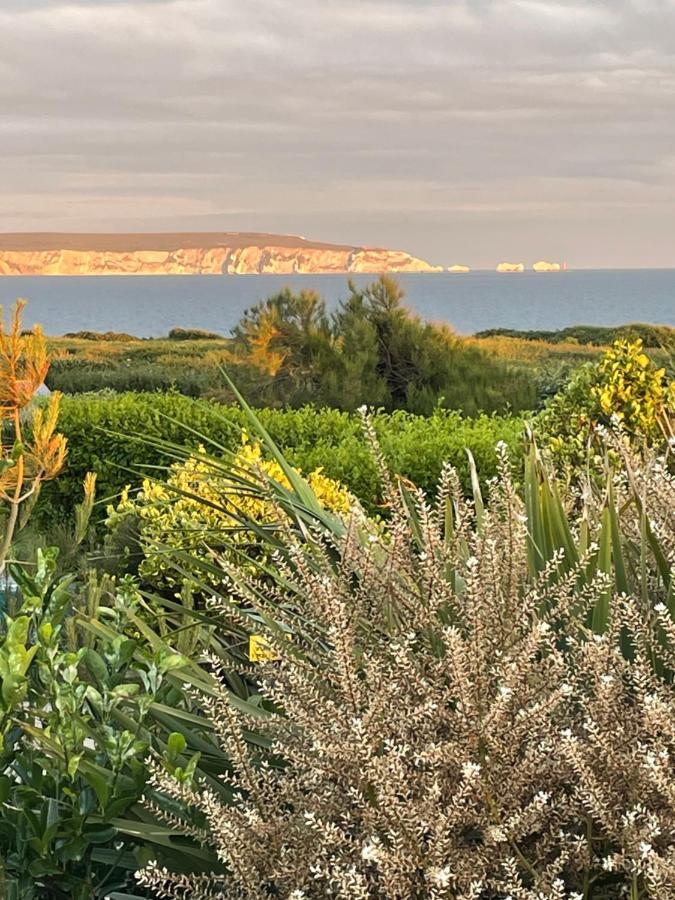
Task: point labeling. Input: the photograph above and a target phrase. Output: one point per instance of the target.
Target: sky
(464, 131)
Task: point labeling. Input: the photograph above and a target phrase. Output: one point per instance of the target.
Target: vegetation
(625, 388)
(193, 507)
(653, 336)
(288, 351)
(25, 464)
(373, 351)
(413, 672)
(193, 334)
(124, 437)
(465, 712)
(88, 691)
(106, 336)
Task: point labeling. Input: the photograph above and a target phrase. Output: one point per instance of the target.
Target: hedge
(103, 436)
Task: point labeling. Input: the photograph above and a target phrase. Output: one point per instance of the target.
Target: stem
(587, 873)
(9, 534)
(16, 499)
(492, 808)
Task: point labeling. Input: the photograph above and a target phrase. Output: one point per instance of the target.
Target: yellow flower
(632, 389)
(198, 503)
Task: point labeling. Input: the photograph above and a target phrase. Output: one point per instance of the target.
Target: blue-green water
(148, 306)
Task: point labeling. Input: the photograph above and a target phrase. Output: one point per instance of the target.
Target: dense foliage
(625, 388)
(106, 336)
(477, 701)
(88, 691)
(122, 437)
(371, 350)
(67, 771)
(190, 510)
(193, 334)
(453, 682)
(289, 351)
(653, 336)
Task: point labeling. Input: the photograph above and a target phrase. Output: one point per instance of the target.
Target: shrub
(86, 688)
(193, 334)
(85, 693)
(625, 385)
(100, 336)
(75, 376)
(650, 335)
(119, 437)
(196, 505)
(373, 350)
(631, 388)
(451, 725)
(34, 452)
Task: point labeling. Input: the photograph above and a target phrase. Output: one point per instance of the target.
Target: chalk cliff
(510, 267)
(545, 266)
(231, 253)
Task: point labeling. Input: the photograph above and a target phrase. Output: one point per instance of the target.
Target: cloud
(366, 120)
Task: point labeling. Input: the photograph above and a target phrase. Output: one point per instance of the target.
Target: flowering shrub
(199, 502)
(631, 388)
(624, 387)
(452, 728)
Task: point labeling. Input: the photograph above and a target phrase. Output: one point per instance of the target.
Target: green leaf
(176, 745)
(535, 531)
(97, 667)
(99, 783)
(171, 661)
(14, 688)
(600, 615)
(620, 575)
(73, 764)
(476, 491)
(73, 850)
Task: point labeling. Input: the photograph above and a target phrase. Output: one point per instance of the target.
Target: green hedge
(102, 436)
(651, 335)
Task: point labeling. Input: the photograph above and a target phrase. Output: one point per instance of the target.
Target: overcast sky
(460, 131)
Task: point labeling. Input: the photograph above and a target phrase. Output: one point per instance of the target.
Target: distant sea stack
(510, 267)
(544, 266)
(221, 253)
(459, 270)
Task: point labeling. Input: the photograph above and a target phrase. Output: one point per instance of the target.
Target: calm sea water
(147, 306)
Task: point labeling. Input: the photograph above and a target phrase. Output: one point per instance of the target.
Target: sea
(149, 306)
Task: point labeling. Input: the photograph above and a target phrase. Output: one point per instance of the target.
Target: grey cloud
(451, 129)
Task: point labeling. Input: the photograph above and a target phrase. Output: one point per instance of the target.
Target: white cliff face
(510, 267)
(282, 258)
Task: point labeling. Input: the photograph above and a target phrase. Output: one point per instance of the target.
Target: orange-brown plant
(30, 454)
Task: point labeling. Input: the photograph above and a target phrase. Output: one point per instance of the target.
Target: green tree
(373, 350)
(287, 340)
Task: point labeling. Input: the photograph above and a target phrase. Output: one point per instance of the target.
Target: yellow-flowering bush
(625, 385)
(631, 388)
(197, 502)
